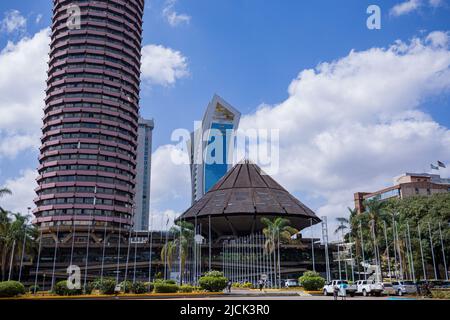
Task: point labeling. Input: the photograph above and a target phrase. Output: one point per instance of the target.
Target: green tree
(183, 233)
(14, 230)
(276, 231)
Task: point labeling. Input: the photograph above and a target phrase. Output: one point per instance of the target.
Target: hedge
(165, 287)
(34, 289)
(187, 289)
(61, 289)
(139, 288)
(11, 289)
(440, 293)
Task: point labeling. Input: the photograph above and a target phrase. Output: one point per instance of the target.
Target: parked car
(404, 287)
(290, 283)
(328, 289)
(388, 289)
(369, 287)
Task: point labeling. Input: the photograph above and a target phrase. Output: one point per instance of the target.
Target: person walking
(335, 292)
(229, 284)
(260, 284)
(343, 290)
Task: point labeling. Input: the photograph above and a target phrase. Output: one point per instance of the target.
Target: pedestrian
(260, 284)
(335, 292)
(229, 284)
(343, 290)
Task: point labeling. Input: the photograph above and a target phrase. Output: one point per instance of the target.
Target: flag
(433, 167)
(441, 164)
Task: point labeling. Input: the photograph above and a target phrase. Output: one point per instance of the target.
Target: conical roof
(245, 192)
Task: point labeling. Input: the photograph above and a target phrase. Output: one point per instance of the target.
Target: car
(290, 283)
(369, 287)
(404, 287)
(388, 289)
(328, 289)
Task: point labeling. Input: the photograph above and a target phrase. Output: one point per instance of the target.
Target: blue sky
(249, 52)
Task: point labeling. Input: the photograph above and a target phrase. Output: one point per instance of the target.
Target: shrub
(139, 288)
(170, 281)
(34, 289)
(186, 289)
(164, 287)
(107, 286)
(311, 281)
(213, 281)
(440, 294)
(126, 286)
(149, 286)
(247, 285)
(61, 289)
(236, 285)
(11, 289)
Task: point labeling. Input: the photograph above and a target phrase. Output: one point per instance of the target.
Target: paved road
(299, 298)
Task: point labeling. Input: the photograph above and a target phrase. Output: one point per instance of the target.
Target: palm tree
(3, 192)
(275, 231)
(183, 238)
(15, 236)
(343, 225)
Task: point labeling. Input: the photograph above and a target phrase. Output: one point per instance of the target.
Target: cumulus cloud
(353, 124)
(23, 68)
(22, 188)
(162, 66)
(13, 21)
(170, 186)
(409, 6)
(174, 18)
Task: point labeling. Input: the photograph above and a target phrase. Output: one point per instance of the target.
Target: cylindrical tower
(88, 154)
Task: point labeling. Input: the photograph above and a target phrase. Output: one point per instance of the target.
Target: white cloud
(170, 181)
(23, 68)
(355, 123)
(174, 18)
(170, 187)
(405, 7)
(162, 66)
(13, 21)
(22, 188)
(38, 18)
(409, 6)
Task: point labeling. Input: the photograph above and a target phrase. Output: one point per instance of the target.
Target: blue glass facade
(215, 171)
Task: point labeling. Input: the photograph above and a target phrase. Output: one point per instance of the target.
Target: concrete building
(406, 185)
(219, 123)
(89, 144)
(143, 176)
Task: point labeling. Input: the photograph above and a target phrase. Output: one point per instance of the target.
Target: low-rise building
(406, 185)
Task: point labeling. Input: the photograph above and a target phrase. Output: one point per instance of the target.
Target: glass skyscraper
(209, 165)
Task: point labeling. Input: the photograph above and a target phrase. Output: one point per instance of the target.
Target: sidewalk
(266, 293)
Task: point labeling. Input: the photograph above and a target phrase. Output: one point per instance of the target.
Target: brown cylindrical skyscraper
(88, 154)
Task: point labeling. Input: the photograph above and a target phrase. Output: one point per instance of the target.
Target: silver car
(388, 289)
(404, 287)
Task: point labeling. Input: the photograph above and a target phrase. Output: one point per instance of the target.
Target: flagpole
(135, 255)
(432, 251)
(54, 257)
(103, 252)
(443, 252)
(89, 240)
(73, 239)
(150, 237)
(38, 260)
(421, 253)
(312, 246)
(11, 259)
(399, 250)
(118, 250)
(411, 254)
(23, 251)
(362, 251)
(387, 251)
(128, 258)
